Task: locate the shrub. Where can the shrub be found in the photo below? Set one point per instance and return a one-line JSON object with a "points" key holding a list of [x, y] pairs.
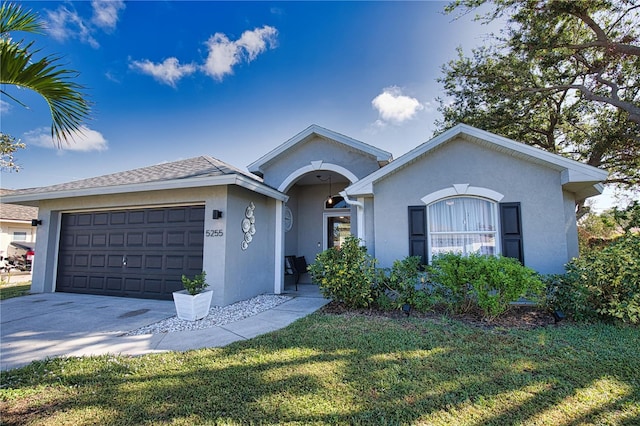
{"points": [[404, 284], [499, 281], [565, 293], [450, 275], [347, 274], [490, 283], [602, 283], [195, 285]]}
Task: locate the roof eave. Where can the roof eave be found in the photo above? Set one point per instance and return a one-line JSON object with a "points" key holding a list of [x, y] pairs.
{"points": [[33, 199], [572, 171], [584, 190]]}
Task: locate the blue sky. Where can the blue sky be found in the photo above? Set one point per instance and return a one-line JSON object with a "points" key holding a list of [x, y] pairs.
{"points": [[174, 79]]}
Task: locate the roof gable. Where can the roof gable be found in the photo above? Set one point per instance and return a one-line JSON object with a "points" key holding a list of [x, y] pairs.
{"points": [[577, 177], [383, 157]]}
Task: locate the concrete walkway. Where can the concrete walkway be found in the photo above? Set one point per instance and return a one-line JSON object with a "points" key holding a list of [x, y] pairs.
{"points": [[41, 326]]}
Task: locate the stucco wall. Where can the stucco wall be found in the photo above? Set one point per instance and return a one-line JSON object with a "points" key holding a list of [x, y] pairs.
{"points": [[318, 149], [249, 272], [291, 236], [544, 220]]}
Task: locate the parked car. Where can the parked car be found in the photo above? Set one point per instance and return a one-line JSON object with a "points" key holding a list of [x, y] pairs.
{"points": [[20, 255]]}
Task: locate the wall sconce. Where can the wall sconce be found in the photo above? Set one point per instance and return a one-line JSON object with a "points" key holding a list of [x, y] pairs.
{"points": [[36, 222], [217, 214]]}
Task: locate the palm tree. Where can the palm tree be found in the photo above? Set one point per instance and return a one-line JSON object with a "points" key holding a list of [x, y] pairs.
{"points": [[44, 76]]}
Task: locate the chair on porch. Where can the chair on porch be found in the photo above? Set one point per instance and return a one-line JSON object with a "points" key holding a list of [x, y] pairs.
{"points": [[294, 266]]}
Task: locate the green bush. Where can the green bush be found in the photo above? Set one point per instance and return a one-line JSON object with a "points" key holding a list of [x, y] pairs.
{"points": [[450, 275], [347, 275], [404, 284], [490, 283], [195, 285], [602, 283], [564, 293]]}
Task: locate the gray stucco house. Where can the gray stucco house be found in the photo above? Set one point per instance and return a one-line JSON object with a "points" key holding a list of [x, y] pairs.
{"points": [[135, 233]]}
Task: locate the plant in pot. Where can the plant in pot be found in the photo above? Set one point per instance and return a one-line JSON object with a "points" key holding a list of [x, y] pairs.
{"points": [[194, 301]]}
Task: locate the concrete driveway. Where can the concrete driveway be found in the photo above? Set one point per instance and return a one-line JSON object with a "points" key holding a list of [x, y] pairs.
{"points": [[39, 326], [53, 324]]}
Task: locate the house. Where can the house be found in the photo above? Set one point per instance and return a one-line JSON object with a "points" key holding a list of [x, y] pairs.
{"points": [[135, 233], [15, 223]]}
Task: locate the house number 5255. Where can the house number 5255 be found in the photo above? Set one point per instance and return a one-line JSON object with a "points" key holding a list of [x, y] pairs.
{"points": [[213, 233]]}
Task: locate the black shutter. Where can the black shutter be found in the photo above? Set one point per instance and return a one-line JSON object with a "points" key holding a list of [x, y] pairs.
{"points": [[511, 231], [418, 232]]}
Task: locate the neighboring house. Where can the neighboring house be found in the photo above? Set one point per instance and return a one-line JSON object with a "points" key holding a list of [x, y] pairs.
{"points": [[15, 222], [135, 233]]}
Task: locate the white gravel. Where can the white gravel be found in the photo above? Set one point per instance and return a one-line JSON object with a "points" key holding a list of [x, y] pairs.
{"points": [[218, 315]]}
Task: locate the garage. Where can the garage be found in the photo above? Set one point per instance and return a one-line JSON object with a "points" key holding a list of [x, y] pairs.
{"points": [[140, 253]]}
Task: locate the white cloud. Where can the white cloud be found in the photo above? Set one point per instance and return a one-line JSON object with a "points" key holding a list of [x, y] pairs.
{"points": [[168, 72], [224, 54], [105, 13], [83, 140], [65, 23], [394, 107]]}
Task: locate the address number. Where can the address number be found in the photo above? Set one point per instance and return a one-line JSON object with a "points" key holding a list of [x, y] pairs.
{"points": [[213, 233]]}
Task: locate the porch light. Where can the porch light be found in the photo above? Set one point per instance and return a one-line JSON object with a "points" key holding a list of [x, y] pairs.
{"points": [[329, 199], [36, 222]]}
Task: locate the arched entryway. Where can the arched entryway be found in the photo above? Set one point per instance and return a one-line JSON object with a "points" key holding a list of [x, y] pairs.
{"points": [[316, 217]]}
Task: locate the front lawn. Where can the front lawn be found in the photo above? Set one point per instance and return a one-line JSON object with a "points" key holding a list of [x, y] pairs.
{"points": [[9, 289], [349, 369]]}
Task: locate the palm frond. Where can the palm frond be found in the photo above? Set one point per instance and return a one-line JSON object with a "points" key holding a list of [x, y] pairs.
{"points": [[14, 18], [46, 77]]}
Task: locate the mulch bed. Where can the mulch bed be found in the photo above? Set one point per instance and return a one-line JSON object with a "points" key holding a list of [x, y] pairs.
{"points": [[518, 317]]}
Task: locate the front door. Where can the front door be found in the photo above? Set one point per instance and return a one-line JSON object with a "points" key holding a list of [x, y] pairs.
{"points": [[337, 228]]}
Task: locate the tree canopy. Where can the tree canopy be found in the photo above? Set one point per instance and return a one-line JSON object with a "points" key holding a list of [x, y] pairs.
{"points": [[561, 75]]}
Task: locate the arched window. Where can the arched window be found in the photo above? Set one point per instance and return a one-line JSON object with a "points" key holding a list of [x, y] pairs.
{"points": [[463, 225], [335, 202]]}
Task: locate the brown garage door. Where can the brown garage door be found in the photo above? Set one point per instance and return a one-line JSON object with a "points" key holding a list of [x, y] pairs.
{"points": [[132, 253]]}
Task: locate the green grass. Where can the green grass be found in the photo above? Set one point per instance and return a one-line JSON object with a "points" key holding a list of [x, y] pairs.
{"points": [[9, 290], [349, 369]]}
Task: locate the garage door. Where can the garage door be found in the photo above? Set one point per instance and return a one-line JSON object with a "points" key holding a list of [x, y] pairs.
{"points": [[132, 253]]}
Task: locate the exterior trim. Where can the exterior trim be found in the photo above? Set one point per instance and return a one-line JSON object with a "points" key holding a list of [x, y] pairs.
{"points": [[460, 190], [315, 165], [198, 182], [381, 155], [574, 173], [278, 276]]}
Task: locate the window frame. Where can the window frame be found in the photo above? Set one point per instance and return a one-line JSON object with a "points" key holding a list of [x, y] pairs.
{"points": [[494, 205], [20, 236]]}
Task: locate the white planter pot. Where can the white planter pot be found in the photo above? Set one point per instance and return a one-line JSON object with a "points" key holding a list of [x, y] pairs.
{"points": [[192, 308]]}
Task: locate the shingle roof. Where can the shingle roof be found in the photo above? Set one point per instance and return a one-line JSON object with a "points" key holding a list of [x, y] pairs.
{"points": [[15, 212], [193, 167]]}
